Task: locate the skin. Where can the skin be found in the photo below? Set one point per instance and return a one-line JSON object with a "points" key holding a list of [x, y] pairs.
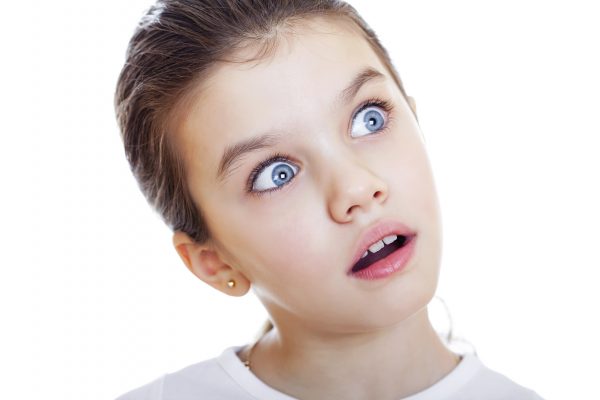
{"points": [[335, 335]]}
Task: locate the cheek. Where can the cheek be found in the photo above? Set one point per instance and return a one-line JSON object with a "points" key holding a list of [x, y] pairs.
{"points": [[292, 248], [274, 240], [416, 178], [414, 196]]}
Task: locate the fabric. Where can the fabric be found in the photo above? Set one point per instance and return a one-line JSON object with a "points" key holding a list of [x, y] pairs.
{"points": [[226, 377]]}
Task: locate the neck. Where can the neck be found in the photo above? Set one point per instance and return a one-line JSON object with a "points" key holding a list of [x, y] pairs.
{"points": [[389, 363]]}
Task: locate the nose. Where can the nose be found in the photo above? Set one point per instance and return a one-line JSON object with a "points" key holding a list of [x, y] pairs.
{"points": [[354, 189]]}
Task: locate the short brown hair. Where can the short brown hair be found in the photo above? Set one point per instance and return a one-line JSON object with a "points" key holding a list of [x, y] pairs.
{"points": [[175, 43]]}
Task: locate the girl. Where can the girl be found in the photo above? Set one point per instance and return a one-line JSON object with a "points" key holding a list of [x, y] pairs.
{"points": [[275, 138]]}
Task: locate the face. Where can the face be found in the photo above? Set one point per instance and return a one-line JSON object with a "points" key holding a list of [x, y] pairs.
{"points": [[288, 214]]}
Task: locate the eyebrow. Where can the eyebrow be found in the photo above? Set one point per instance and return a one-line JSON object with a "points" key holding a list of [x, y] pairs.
{"points": [[232, 153], [363, 77], [236, 151]]}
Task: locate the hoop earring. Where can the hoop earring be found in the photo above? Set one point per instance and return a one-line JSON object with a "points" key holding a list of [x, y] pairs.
{"points": [[231, 284]]}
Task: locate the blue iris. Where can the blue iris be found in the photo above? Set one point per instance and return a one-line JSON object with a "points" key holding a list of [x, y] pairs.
{"points": [[281, 174], [369, 120], [373, 120]]}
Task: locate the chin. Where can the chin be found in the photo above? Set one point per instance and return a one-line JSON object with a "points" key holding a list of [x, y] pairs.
{"points": [[395, 310]]}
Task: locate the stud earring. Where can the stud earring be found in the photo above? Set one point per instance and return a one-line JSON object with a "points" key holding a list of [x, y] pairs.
{"points": [[230, 283]]}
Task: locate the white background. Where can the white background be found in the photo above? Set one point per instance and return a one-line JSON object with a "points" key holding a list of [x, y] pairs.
{"points": [[94, 300]]}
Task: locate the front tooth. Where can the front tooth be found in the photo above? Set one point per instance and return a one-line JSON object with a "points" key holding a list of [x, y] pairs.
{"points": [[376, 247], [390, 239], [366, 253]]}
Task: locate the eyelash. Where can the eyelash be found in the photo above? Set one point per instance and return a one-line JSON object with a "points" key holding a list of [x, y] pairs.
{"points": [[273, 158], [372, 102]]}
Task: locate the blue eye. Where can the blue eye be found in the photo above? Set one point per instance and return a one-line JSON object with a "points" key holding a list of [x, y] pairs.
{"points": [[272, 175], [371, 118]]}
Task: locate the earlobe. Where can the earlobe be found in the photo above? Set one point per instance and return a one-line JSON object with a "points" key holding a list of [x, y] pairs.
{"points": [[205, 262]]}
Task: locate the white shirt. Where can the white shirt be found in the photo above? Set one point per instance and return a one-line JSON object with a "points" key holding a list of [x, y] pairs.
{"points": [[226, 377]]}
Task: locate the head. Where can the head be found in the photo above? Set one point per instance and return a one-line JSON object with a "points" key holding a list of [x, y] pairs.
{"points": [[244, 124]]}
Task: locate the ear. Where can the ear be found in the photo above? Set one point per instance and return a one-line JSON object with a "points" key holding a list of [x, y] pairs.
{"points": [[412, 104], [204, 261]]}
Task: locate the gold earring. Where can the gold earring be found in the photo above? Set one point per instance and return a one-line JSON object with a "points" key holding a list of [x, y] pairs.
{"points": [[230, 283]]}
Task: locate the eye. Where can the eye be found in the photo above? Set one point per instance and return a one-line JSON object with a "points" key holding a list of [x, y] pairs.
{"points": [[372, 117], [272, 174]]}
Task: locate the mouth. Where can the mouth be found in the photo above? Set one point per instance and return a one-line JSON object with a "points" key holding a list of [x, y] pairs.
{"points": [[381, 250]]}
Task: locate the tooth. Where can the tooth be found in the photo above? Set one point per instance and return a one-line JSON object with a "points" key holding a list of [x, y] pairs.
{"points": [[390, 239], [366, 253], [376, 247]]}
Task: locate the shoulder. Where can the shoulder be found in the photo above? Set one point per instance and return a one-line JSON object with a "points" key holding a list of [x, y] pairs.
{"points": [[150, 391], [196, 381], [472, 380], [489, 384]]}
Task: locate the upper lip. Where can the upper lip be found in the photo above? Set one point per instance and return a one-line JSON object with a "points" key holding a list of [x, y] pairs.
{"points": [[376, 233]]}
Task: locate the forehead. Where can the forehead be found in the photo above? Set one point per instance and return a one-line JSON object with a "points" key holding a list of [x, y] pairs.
{"points": [[312, 63]]}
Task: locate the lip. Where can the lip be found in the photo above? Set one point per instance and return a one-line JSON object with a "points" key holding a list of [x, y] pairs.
{"points": [[392, 262]]}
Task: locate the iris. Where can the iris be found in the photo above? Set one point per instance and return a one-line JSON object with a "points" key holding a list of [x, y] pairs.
{"points": [[281, 174], [373, 120]]}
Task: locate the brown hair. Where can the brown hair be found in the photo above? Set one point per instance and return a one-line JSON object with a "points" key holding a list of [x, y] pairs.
{"points": [[175, 43]]}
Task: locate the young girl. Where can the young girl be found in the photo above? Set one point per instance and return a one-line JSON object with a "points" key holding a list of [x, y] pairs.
{"points": [[275, 138]]}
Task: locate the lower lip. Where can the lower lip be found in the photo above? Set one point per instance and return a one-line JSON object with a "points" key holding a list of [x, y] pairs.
{"points": [[387, 266]]}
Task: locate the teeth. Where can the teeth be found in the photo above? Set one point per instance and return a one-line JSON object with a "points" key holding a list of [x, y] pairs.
{"points": [[376, 247], [366, 253], [390, 239]]}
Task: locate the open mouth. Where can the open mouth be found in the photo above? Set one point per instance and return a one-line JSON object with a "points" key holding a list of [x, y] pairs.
{"points": [[380, 250]]}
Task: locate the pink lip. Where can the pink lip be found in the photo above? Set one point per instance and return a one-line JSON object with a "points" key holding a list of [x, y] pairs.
{"points": [[392, 262]]}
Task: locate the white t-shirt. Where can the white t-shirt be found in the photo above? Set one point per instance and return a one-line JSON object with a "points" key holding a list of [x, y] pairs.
{"points": [[226, 377]]}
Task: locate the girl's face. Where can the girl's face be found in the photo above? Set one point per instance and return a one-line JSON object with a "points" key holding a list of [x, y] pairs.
{"points": [[289, 209]]}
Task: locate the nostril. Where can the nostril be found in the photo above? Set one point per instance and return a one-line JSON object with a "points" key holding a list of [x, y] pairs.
{"points": [[350, 210], [378, 195]]}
